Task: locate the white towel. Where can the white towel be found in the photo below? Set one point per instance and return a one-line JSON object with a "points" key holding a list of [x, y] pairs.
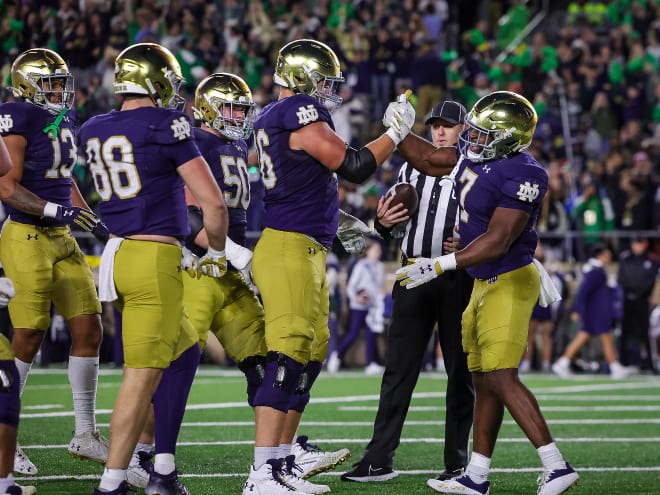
{"points": [[549, 293], [107, 289]]}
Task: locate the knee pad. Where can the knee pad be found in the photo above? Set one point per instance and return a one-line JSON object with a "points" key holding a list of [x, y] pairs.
{"points": [[301, 398], [254, 368], [10, 402], [281, 378]]}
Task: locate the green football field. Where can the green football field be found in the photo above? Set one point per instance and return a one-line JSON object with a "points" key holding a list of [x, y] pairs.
{"points": [[608, 430]]}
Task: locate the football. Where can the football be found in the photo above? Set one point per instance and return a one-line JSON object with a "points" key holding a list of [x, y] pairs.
{"points": [[406, 194]]}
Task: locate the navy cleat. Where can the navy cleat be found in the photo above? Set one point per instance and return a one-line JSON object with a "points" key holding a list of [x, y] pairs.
{"points": [[165, 484], [460, 485], [448, 474], [122, 489], [558, 481]]}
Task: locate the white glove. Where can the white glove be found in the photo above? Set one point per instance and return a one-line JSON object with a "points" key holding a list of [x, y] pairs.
{"points": [[241, 258], [6, 291], [212, 264], [189, 262], [422, 270], [399, 118], [351, 233]]}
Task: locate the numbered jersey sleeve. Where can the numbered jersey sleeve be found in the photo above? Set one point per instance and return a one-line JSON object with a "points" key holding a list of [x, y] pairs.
{"points": [[518, 183], [48, 160], [228, 162], [300, 192], [133, 156]]}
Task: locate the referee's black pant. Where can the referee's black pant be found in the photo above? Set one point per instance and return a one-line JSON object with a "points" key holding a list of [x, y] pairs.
{"points": [[414, 314]]}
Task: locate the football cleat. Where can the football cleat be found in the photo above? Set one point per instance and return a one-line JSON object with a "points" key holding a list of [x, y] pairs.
{"points": [[122, 489], [20, 490], [364, 473], [269, 480], [22, 463], [558, 481], [292, 475], [165, 484], [91, 446], [139, 468], [448, 474], [562, 368], [460, 485], [312, 460]]}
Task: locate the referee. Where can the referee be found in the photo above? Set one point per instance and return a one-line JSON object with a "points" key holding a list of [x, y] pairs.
{"points": [[415, 313]]}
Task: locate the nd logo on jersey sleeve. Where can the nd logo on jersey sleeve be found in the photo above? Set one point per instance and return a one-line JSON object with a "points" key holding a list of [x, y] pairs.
{"points": [[6, 123], [180, 128], [307, 115], [528, 192]]}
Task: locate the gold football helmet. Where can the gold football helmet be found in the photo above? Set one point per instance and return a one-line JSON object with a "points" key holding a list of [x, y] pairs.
{"points": [[41, 77], [224, 102], [500, 124], [310, 67], [149, 69]]}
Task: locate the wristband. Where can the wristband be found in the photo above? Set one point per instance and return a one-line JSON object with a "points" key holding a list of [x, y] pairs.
{"points": [[447, 262], [214, 253], [50, 210], [394, 135]]}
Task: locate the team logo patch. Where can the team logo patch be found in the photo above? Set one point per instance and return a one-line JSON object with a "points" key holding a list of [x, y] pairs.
{"points": [[528, 192], [6, 122], [180, 128], [307, 115]]}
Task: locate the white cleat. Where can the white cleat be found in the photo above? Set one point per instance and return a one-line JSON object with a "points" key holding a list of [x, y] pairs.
{"points": [[22, 463], [312, 460], [269, 480], [558, 481], [562, 367], [89, 446], [292, 473], [136, 474], [620, 372]]}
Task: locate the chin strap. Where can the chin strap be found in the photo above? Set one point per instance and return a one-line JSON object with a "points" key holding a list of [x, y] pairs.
{"points": [[53, 129]]}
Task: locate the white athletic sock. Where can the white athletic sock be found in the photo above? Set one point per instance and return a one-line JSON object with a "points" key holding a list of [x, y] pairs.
{"points": [[478, 468], [262, 454], [285, 450], [164, 463], [111, 479], [551, 457], [23, 370], [83, 377], [6, 483]]}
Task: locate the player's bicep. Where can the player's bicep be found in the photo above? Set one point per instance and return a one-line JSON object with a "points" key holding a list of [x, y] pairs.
{"points": [[321, 142]]}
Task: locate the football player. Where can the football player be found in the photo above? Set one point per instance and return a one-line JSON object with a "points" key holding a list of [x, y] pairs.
{"points": [[141, 156], [299, 153], [38, 252], [500, 189]]}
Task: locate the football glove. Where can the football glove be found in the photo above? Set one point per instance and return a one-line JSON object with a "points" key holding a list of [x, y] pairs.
{"points": [[399, 118], [351, 232], [75, 215], [241, 258], [189, 262], [212, 264], [418, 272], [6, 291]]}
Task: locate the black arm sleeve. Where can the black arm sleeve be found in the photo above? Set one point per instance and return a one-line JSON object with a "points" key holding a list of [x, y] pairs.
{"points": [[196, 224], [385, 232], [358, 165]]}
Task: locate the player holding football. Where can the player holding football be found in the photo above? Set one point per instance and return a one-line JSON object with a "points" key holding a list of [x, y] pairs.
{"points": [[140, 157], [38, 252], [500, 188], [299, 153]]}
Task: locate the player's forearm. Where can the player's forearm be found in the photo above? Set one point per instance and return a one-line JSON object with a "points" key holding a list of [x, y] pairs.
{"points": [[422, 155], [21, 199], [215, 226]]}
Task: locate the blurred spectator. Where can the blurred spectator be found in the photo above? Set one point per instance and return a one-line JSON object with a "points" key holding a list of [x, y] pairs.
{"points": [[593, 214]]}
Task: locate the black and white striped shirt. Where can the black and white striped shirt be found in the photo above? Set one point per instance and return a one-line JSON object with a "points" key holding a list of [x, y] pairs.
{"points": [[434, 221]]}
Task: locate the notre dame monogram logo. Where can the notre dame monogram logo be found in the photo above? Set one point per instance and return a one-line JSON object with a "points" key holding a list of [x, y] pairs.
{"points": [[528, 192], [6, 123], [180, 128], [307, 114]]}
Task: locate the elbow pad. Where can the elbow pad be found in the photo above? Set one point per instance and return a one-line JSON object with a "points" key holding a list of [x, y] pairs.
{"points": [[358, 165]]}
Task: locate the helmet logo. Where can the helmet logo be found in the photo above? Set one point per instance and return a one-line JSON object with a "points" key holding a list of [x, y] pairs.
{"points": [[528, 192], [307, 115]]}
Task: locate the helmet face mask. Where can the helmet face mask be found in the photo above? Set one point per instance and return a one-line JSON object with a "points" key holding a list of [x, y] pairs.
{"points": [[312, 68], [151, 70], [500, 124], [41, 77], [224, 102]]}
